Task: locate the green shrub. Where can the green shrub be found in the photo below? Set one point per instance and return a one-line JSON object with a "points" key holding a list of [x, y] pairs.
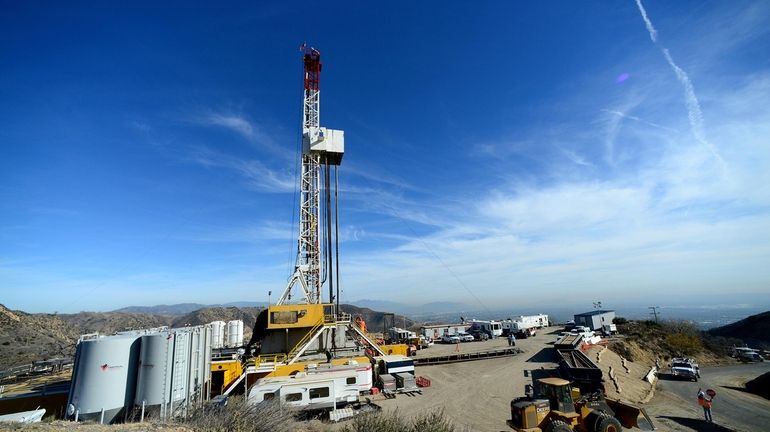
{"points": [[684, 344]]}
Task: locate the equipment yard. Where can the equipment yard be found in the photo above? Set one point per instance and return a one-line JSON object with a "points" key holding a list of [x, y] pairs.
{"points": [[476, 395]]}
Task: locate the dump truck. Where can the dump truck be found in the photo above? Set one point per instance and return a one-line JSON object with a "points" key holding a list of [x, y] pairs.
{"points": [[577, 367], [556, 406]]}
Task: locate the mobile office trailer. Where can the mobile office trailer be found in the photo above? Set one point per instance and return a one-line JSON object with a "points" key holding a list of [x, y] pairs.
{"points": [[308, 391], [436, 331], [492, 328]]}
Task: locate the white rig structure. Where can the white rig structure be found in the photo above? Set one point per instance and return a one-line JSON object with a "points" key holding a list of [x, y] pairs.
{"points": [[321, 148]]}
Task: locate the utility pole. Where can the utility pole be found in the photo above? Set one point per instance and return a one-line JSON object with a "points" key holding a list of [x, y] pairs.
{"points": [[654, 312]]}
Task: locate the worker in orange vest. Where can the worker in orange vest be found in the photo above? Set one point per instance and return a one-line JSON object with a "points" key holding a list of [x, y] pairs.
{"points": [[705, 402]]}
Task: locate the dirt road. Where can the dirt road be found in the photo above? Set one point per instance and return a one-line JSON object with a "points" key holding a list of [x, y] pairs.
{"points": [[676, 407]]}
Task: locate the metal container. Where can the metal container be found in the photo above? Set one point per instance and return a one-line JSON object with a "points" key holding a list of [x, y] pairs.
{"points": [[234, 334], [405, 381], [103, 378], [153, 384], [217, 334], [388, 383]]}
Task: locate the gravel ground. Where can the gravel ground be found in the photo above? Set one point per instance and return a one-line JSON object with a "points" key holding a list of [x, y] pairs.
{"points": [[476, 395]]}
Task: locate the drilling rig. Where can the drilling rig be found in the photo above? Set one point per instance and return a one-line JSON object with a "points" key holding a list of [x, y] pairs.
{"points": [[309, 345], [322, 151]]}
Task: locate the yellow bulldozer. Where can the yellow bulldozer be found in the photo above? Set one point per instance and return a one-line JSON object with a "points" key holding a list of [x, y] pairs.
{"points": [[558, 407]]}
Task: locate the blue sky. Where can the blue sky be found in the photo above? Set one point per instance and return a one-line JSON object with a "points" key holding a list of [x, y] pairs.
{"points": [[500, 154]]}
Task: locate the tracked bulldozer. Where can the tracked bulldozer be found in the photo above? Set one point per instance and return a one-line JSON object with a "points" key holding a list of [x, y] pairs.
{"points": [[558, 407]]}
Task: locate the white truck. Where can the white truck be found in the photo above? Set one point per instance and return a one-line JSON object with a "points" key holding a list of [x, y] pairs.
{"points": [[685, 368], [526, 325]]}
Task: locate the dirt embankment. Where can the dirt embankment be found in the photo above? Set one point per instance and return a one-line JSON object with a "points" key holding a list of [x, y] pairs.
{"points": [[624, 379]]}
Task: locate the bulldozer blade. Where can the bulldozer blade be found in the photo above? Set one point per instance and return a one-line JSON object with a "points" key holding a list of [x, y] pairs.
{"points": [[631, 416]]}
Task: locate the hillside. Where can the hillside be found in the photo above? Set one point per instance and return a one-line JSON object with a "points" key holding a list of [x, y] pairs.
{"points": [[26, 337], [754, 330]]}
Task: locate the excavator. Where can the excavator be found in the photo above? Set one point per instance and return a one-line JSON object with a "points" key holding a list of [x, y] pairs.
{"points": [[558, 407]]}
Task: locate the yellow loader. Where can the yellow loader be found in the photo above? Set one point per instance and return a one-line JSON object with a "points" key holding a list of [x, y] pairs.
{"points": [[557, 407]]}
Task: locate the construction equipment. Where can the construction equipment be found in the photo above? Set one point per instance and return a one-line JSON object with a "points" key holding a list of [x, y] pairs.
{"points": [[557, 407]]}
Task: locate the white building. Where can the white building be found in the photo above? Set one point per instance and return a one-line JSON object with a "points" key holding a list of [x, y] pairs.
{"points": [[595, 319]]}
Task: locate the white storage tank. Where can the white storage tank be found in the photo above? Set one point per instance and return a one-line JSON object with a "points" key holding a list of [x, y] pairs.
{"points": [[217, 334], [234, 334], [103, 378], [153, 383]]}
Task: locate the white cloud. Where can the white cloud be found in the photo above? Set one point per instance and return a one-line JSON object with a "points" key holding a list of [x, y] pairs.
{"points": [[256, 174], [232, 122], [671, 219]]}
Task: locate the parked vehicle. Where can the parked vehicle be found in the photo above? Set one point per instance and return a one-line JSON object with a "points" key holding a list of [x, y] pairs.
{"points": [[309, 391], [479, 335], [746, 354], [685, 368], [450, 339], [493, 329], [465, 337]]}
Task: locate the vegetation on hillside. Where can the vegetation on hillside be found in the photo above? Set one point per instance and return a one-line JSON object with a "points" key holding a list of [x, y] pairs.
{"points": [[668, 339], [754, 330]]}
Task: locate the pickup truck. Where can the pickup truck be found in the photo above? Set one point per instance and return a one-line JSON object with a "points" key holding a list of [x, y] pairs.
{"points": [[685, 368], [450, 339]]}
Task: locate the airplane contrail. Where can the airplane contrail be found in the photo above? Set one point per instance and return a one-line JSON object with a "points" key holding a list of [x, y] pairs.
{"points": [[640, 120], [647, 22], [694, 113]]}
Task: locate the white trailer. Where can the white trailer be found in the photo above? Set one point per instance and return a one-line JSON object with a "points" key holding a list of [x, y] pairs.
{"points": [[533, 321], [526, 325], [310, 391], [435, 332], [493, 328]]}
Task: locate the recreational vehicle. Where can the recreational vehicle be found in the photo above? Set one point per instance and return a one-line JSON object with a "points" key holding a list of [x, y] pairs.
{"points": [[310, 390]]}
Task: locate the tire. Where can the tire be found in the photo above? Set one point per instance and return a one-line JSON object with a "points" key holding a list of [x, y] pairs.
{"points": [[608, 423], [558, 426]]}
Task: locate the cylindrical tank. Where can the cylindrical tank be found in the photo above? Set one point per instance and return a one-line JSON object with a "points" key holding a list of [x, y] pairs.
{"points": [[217, 334], [104, 377], [153, 383], [240, 333], [232, 334]]}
